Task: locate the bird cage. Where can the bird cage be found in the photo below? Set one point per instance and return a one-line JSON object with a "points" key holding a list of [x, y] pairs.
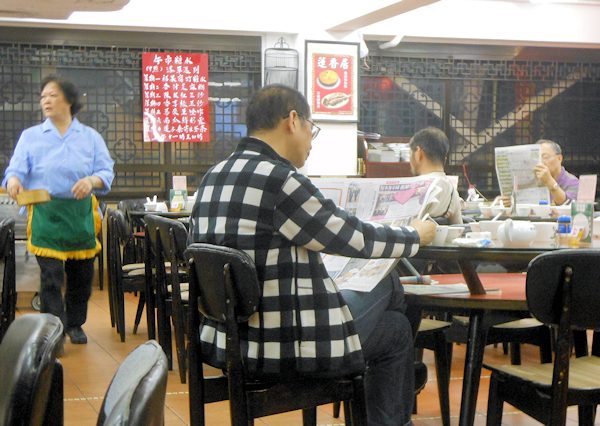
{"points": [[281, 65]]}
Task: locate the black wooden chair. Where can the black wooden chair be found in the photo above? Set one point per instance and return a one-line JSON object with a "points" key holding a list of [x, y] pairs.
{"points": [[225, 288], [167, 240], [562, 291], [136, 395], [31, 376], [8, 290], [123, 277], [100, 254]]}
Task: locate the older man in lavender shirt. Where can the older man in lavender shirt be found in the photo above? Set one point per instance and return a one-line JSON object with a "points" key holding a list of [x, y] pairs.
{"points": [[562, 185]]}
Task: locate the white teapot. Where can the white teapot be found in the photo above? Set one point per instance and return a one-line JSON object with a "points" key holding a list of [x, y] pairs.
{"points": [[516, 233]]}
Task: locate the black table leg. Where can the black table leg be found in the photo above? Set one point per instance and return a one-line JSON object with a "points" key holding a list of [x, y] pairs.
{"points": [[472, 372]]}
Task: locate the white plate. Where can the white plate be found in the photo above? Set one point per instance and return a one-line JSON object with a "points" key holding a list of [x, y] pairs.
{"points": [[330, 87], [331, 96]]}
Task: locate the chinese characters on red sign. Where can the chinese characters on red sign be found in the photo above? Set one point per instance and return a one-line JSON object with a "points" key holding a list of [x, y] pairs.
{"points": [[175, 97], [332, 84]]}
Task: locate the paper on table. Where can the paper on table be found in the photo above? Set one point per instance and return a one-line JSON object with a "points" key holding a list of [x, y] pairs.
{"points": [[436, 288]]}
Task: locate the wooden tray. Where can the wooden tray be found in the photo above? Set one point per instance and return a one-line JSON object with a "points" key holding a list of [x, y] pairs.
{"points": [[33, 196]]}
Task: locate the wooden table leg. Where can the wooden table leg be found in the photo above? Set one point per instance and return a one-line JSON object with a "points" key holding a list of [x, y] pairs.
{"points": [[472, 371], [471, 278]]}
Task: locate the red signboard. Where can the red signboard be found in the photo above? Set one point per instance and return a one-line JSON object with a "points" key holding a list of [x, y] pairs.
{"points": [[332, 84], [175, 97]]}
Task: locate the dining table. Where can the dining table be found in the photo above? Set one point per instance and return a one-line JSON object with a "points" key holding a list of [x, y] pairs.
{"points": [[492, 298]]}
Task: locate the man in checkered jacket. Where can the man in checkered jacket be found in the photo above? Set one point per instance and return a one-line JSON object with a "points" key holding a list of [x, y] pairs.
{"points": [[257, 201]]}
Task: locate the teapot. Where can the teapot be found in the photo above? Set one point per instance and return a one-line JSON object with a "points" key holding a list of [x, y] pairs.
{"points": [[516, 233]]}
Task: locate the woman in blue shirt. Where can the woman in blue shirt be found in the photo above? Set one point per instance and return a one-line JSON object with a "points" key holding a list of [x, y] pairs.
{"points": [[71, 161]]}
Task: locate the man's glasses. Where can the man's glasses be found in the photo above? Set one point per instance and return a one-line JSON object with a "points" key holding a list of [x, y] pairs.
{"points": [[314, 129]]}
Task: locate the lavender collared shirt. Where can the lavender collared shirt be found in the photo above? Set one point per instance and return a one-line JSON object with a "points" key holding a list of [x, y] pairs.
{"points": [[568, 183]]}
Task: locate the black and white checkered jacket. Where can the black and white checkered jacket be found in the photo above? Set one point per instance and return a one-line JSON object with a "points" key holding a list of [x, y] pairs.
{"points": [[258, 202]]}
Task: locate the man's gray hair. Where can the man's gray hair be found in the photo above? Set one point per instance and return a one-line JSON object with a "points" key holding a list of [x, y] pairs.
{"points": [[555, 147]]}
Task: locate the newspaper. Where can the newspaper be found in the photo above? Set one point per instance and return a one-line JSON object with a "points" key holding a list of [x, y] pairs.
{"points": [[514, 169], [392, 201]]}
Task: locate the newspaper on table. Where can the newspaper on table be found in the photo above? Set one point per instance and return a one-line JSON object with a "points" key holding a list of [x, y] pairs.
{"points": [[392, 201], [514, 169]]}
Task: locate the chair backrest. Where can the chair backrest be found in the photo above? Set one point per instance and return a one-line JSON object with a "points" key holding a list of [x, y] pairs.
{"points": [[562, 290], [171, 233], [546, 288], [8, 289], [120, 230], [27, 366], [136, 395], [212, 265]]}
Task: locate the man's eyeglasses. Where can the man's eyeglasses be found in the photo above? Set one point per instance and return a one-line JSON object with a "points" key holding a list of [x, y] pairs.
{"points": [[314, 129]]}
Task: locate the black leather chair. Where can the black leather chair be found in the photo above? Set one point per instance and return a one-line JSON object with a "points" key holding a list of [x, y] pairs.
{"points": [[167, 239], [8, 290], [562, 291], [136, 395], [31, 390], [123, 277], [225, 288]]}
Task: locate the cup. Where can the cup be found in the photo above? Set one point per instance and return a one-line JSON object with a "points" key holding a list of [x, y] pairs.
{"points": [[150, 207], [441, 232]]}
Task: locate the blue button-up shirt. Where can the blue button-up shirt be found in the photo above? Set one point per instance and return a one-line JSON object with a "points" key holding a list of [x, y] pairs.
{"points": [[43, 159]]}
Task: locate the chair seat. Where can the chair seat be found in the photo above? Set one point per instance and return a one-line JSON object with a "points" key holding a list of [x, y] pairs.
{"points": [[142, 272], [584, 373], [515, 324], [429, 324], [133, 266], [520, 324], [182, 286]]}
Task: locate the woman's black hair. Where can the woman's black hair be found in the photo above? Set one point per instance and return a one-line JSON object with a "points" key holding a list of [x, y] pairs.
{"points": [[68, 88]]}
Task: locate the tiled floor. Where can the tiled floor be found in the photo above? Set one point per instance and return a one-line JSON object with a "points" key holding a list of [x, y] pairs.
{"points": [[89, 368]]}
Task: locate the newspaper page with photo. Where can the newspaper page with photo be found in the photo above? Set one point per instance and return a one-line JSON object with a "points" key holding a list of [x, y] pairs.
{"points": [[392, 201], [514, 169]]}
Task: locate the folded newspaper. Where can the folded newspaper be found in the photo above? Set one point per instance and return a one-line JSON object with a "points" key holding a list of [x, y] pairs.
{"points": [[392, 201]]}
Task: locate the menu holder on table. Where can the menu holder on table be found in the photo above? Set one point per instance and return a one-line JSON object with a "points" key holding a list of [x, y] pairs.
{"points": [[33, 196]]}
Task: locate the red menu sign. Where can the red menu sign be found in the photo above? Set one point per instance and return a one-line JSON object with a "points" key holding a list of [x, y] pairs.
{"points": [[175, 97], [332, 84]]}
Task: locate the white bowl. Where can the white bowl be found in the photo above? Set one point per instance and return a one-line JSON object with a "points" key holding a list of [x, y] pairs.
{"points": [[541, 210], [504, 211], [454, 232], [490, 226], [486, 211], [545, 231], [523, 210], [561, 210]]}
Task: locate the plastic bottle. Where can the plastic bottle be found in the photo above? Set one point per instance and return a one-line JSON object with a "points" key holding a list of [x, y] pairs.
{"points": [[563, 230]]}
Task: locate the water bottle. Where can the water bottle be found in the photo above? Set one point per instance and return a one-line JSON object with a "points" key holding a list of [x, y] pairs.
{"points": [[563, 230]]}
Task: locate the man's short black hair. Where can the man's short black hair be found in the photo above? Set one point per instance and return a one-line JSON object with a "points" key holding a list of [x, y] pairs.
{"points": [[272, 103], [68, 88], [433, 142]]}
